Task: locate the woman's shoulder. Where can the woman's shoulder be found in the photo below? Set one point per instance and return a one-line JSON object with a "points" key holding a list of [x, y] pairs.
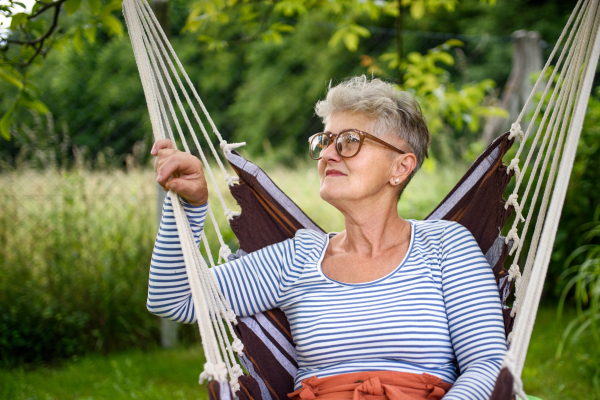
{"points": [[438, 226], [309, 243]]}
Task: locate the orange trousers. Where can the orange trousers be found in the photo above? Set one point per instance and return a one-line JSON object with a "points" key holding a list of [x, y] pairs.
{"points": [[375, 385]]}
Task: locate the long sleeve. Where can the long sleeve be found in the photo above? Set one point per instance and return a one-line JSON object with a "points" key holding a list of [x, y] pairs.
{"points": [[251, 284], [474, 315], [169, 293]]}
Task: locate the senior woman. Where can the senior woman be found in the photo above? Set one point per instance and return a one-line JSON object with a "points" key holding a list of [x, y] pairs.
{"points": [[386, 309]]}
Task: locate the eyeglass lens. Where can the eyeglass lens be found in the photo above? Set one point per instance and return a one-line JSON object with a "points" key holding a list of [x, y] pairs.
{"points": [[347, 144]]}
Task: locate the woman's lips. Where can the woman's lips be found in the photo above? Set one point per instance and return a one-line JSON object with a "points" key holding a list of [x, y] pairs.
{"points": [[334, 172]]}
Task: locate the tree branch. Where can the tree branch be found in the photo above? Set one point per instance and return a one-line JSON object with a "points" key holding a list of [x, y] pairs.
{"points": [[45, 7], [45, 36]]}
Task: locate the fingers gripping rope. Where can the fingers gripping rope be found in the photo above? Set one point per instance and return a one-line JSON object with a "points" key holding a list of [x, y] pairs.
{"points": [[512, 201], [515, 130]]}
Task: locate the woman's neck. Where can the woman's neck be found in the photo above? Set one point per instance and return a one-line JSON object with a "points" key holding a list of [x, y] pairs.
{"points": [[372, 228]]}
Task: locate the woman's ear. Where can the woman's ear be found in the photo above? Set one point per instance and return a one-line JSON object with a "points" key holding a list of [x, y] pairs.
{"points": [[402, 167]]}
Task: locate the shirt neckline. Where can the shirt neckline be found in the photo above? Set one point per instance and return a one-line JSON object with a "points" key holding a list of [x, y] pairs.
{"points": [[383, 278]]}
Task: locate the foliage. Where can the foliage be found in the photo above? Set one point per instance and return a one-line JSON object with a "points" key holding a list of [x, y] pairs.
{"points": [[33, 33], [582, 195], [582, 268], [73, 264], [236, 21], [452, 110]]}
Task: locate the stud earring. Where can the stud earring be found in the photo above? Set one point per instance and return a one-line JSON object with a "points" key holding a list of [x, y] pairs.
{"points": [[397, 181]]}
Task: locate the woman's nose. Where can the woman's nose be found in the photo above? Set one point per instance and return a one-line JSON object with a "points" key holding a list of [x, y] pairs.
{"points": [[330, 154]]}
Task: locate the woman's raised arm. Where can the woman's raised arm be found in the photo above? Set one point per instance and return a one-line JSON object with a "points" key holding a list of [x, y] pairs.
{"points": [[251, 284]]}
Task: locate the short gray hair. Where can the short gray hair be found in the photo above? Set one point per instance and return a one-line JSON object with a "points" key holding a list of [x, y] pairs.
{"points": [[393, 111]]}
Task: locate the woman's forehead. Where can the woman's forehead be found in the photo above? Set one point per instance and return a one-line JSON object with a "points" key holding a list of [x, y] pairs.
{"points": [[345, 120]]}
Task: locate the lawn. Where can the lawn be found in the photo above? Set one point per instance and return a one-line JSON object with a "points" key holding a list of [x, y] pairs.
{"points": [[173, 374]]}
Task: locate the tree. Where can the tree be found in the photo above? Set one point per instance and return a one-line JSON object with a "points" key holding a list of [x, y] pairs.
{"points": [[33, 33]]}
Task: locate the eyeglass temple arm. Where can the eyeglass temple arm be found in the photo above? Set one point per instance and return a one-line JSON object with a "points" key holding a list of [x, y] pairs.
{"points": [[383, 143]]}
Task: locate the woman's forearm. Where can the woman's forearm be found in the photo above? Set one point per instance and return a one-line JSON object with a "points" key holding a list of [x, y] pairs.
{"points": [[169, 293], [477, 382]]}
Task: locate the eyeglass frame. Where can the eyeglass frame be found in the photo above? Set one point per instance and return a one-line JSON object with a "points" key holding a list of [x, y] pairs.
{"points": [[361, 134]]}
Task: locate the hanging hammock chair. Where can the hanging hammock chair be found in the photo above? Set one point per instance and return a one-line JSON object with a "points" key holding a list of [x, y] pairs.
{"points": [[263, 342]]}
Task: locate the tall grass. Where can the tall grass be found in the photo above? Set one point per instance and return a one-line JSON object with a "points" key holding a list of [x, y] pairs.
{"points": [[75, 248], [74, 251]]}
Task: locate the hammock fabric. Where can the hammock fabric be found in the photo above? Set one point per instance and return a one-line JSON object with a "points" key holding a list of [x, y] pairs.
{"points": [[269, 216]]}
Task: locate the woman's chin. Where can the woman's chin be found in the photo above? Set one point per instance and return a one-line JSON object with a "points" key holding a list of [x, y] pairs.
{"points": [[332, 194]]}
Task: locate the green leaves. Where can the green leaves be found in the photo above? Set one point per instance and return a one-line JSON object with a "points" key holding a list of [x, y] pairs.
{"points": [[78, 41], [350, 34], [25, 98], [71, 6], [95, 6], [89, 32], [5, 123], [290, 8], [275, 31], [17, 19], [112, 24], [13, 80]]}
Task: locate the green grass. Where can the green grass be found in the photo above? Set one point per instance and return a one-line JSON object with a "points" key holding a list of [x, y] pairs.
{"points": [[136, 374], [571, 377], [173, 374]]}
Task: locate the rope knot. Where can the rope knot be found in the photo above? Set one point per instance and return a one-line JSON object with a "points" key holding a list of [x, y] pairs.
{"points": [[227, 147], [229, 315], [231, 179], [224, 252], [237, 346], [512, 201], [230, 214], [236, 371], [220, 372], [515, 130], [512, 235], [514, 165], [514, 272], [208, 373]]}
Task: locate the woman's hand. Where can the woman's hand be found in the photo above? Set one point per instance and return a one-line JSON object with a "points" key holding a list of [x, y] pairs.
{"points": [[180, 172]]}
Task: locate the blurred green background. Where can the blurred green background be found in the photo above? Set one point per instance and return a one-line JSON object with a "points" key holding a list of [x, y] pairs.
{"points": [[78, 201]]}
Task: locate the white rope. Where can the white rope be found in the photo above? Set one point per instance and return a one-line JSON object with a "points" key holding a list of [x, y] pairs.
{"points": [[566, 120], [210, 306], [193, 89], [522, 281], [538, 82]]}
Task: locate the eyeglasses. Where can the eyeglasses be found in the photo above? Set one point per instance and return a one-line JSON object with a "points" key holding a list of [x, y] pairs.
{"points": [[347, 143]]}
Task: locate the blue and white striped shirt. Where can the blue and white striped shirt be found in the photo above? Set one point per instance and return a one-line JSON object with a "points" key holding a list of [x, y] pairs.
{"points": [[438, 312]]}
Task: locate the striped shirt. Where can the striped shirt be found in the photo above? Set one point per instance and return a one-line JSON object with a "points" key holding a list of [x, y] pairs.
{"points": [[438, 312]]}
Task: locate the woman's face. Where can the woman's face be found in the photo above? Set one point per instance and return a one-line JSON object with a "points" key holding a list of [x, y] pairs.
{"points": [[366, 175]]}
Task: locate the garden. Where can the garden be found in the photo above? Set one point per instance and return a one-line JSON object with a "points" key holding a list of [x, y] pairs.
{"points": [[79, 205]]}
